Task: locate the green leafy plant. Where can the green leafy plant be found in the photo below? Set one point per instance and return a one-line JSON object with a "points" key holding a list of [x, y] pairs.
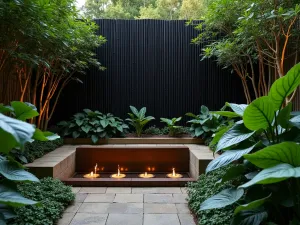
{"points": [[53, 196], [171, 125], [138, 119], [94, 125], [14, 134], [206, 186], [266, 144], [35, 149], [204, 124], [153, 130]]}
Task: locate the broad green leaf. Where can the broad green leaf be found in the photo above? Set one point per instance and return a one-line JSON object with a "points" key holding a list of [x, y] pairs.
{"points": [[39, 135], [217, 136], [286, 152], [233, 173], [134, 111], [23, 111], [87, 111], [284, 116], [222, 199], [51, 136], [204, 110], [235, 135], [237, 108], [250, 217], [252, 205], [226, 114], [191, 115], [75, 134], [86, 128], [120, 128], [167, 121], [13, 133], [142, 113], [295, 122], [285, 86], [94, 139], [14, 199], [227, 157], [199, 131], [13, 172], [292, 135], [274, 174], [79, 122], [5, 109], [149, 118], [259, 114], [104, 123]]}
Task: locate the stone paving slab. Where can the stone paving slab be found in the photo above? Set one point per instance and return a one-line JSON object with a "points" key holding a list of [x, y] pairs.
{"points": [[100, 198], [161, 219], [142, 206]]}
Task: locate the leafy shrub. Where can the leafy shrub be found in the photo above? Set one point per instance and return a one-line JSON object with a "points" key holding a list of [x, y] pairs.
{"points": [[205, 187], [14, 134], [138, 119], [53, 196], [266, 138], [36, 150], [94, 125], [153, 130], [171, 125], [205, 124]]}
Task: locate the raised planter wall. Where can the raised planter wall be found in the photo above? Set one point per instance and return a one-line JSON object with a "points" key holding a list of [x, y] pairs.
{"points": [[156, 140]]}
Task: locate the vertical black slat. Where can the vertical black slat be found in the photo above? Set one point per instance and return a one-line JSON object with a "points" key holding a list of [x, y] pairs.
{"points": [[150, 63]]}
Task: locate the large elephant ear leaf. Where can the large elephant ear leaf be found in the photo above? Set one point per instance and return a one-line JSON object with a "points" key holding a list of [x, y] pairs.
{"points": [[285, 86], [259, 114], [224, 198], [251, 205], [273, 175], [13, 133], [250, 217], [237, 108], [234, 135], [24, 111], [227, 157], [286, 152]]}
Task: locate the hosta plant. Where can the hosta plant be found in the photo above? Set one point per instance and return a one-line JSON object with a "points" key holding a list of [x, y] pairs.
{"points": [[171, 123], [94, 125], [138, 119], [204, 124], [265, 144]]}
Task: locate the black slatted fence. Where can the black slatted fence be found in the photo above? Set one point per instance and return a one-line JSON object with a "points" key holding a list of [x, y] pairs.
{"points": [[150, 63]]}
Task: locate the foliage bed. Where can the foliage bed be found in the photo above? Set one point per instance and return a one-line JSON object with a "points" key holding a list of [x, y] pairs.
{"points": [[53, 196], [205, 187], [37, 149]]}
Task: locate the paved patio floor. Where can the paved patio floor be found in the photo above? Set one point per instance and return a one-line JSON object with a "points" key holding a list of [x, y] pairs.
{"points": [[128, 206]]}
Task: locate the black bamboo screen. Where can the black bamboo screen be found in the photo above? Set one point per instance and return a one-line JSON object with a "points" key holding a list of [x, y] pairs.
{"points": [[150, 63]]}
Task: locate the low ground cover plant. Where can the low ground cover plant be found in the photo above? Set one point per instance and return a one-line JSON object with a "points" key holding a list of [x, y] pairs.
{"points": [[138, 119], [206, 186], [94, 125], [265, 143], [36, 149], [53, 196]]}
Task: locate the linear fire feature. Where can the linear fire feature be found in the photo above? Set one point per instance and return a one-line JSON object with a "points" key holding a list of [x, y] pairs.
{"points": [[134, 163]]}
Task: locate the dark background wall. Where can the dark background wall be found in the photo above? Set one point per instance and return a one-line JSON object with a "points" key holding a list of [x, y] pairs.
{"points": [[150, 63]]}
